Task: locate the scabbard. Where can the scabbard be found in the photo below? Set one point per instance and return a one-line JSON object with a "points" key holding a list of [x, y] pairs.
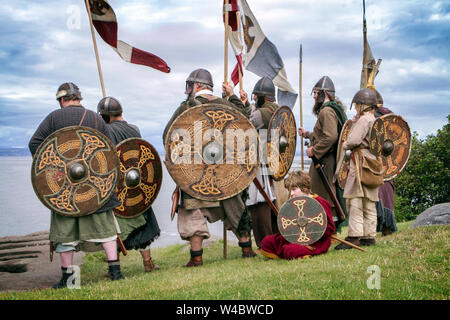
{"points": [[327, 185], [121, 245]]}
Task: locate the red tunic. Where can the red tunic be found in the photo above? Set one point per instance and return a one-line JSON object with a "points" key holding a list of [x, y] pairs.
{"points": [[275, 246]]}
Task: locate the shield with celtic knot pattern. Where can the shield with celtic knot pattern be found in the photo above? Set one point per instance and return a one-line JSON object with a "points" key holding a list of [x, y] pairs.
{"points": [[141, 177], [302, 220], [75, 171], [344, 165], [211, 152], [390, 138], [281, 143]]}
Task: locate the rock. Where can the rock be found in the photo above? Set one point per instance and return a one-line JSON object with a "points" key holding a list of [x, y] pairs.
{"points": [[25, 263], [436, 215]]}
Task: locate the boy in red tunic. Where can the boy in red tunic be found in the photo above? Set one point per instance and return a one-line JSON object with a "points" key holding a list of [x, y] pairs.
{"points": [[276, 247]]}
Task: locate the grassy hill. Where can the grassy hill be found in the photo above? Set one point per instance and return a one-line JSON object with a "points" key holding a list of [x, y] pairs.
{"points": [[413, 264]]}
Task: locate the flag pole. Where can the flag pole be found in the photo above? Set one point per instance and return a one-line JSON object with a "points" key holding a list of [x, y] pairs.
{"points": [[99, 67], [239, 65], [300, 100], [365, 45], [225, 77]]}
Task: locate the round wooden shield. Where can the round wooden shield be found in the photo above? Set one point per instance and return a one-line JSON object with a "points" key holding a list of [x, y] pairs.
{"points": [[390, 138], [141, 177], [281, 142], [345, 163], [75, 171], [211, 152], [302, 220]]}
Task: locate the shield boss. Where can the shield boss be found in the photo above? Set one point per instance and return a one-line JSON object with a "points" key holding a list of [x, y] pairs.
{"points": [[211, 152], [281, 142], [75, 171], [302, 220], [141, 177]]}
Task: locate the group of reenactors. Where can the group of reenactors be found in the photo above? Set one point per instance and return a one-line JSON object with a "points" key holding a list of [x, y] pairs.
{"points": [[247, 210]]}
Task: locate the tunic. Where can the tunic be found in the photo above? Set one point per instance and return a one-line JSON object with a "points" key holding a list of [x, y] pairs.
{"points": [[140, 231], [359, 138], [99, 225], [324, 140], [275, 246]]}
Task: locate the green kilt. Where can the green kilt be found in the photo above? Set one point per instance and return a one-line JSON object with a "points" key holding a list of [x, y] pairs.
{"points": [[128, 225], [98, 225]]}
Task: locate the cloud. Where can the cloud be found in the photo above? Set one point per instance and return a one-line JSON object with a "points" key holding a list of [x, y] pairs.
{"points": [[39, 51]]}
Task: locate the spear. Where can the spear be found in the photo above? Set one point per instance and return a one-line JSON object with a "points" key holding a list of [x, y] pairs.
{"points": [[225, 77], [365, 44]]}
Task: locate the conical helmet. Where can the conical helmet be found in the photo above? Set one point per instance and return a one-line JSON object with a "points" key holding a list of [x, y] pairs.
{"points": [[201, 76], [325, 84], [264, 87], [366, 97], [109, 106], [68, 89]]}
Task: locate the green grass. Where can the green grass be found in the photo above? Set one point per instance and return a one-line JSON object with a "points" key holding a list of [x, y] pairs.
{"points": [[414, 264]]}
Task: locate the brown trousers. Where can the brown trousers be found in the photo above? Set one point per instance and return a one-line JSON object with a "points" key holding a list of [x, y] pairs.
{"points": [[264, 221]]}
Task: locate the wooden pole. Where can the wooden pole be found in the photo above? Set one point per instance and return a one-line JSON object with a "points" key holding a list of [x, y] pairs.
{"points": [[347, 243], [365, 45], [225, 71], [301, 106], [241, 85], [225, 77], [95, 48]]}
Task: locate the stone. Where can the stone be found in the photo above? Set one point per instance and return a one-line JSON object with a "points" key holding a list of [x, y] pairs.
{"points": [[435, 215]]}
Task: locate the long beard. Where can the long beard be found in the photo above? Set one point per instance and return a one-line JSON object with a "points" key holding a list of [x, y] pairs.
{"points": [[259, 102], [319, 102]]}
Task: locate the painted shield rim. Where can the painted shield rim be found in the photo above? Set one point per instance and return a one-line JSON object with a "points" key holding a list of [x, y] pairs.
{"points": [[53, 136], [289, 204], [294, 134], [166, 146], [122, 176]]}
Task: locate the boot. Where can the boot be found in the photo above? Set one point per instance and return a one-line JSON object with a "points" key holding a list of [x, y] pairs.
{"points": [[149, 266], [354, 240], [386, 231], [114, 271], [63, 281], [247, 251], [367, 242], [196, 259]]}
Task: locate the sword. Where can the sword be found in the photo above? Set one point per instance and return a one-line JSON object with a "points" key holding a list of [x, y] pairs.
{"points": [[327, 185]]}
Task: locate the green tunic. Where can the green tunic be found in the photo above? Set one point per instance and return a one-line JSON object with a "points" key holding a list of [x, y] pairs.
{"points": [[98, 225]]}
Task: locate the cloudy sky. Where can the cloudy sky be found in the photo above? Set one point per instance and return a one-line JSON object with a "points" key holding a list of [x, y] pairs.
{"points": [[47, 43]]}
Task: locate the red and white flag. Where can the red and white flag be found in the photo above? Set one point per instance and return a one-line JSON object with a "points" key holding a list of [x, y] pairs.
{"points": [[105, 22], [235, 36]]}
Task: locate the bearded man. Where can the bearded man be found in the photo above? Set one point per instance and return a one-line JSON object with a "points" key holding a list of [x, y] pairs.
{"points": [[324, 138]]}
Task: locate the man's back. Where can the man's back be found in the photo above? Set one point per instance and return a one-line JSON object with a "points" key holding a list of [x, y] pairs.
{"points": [[121, 130], [66, 117]]}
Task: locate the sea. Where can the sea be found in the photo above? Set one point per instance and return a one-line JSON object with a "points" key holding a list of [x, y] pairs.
{"points": [[22, 213]]}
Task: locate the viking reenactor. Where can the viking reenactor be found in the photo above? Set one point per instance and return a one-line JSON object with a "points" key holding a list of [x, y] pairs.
{"points": [[324, 138], [140, 231], [385, 207], [365, 174], [276, 246], [66, 232], [191, 223], [263, 219]]}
